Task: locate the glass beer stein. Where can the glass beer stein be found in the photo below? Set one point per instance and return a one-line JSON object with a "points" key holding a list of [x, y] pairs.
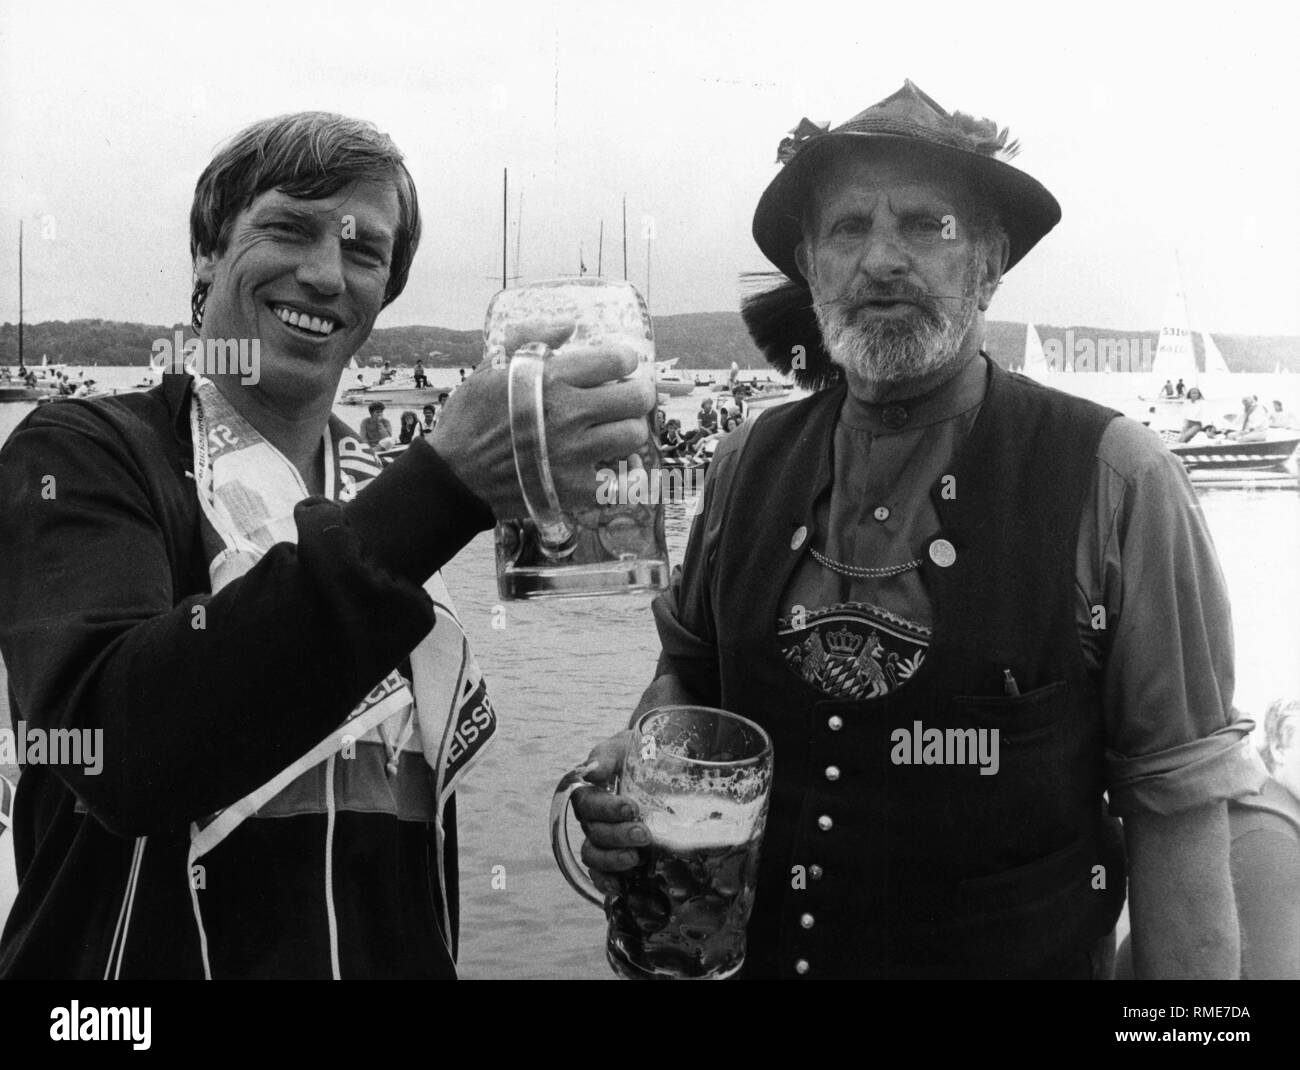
{"points": [[615, 543], [702, 779]]}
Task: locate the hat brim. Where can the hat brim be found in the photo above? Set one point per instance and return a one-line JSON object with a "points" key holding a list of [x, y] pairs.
{"points": [[1025, 208]]}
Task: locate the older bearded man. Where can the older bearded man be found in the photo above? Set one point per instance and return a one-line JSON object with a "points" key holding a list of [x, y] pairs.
{"points": [[929, 546]]}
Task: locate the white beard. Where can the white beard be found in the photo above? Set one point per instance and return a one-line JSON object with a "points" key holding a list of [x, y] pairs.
{"points": [[896, 350]]}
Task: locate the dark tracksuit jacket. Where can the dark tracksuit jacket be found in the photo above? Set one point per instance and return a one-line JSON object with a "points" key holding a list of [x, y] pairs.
{"points": [[98, 582]]}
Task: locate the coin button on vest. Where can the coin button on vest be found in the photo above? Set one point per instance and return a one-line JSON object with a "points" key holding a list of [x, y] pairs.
{"points": [[815, 872], [796, 540], [802, 966], [825, 823], [943, 553], [807, 920], [835, 722], [832, 772]]}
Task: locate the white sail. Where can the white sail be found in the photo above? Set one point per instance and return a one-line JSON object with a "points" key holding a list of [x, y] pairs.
{"points": [[1214, 362], [1175, 358], [1035, 361]]}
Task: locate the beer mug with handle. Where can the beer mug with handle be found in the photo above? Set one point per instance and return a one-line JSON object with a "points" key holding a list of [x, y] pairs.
{"points": [[613, 543], [702, 779]]}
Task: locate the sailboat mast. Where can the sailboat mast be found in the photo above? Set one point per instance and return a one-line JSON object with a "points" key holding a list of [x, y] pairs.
{"points": [[519, 232], [505, 224], [600, 251], [1187, 319], [625, 237], [20, 294]]}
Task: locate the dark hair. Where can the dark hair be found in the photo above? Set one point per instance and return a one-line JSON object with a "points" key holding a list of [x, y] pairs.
{"points": [[414, 419], [1280, 722], [376, 406], [307, 154]]}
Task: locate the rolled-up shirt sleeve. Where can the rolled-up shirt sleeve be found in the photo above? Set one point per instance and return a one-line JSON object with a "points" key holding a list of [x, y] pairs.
{"points": [[684, 613], [1173, 739]]}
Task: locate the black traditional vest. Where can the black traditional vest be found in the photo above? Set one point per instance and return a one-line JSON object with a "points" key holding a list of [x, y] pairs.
{"points": [[875, 868]]}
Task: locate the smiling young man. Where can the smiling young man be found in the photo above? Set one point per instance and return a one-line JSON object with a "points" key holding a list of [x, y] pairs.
{"points": [[217, 575], [928, 545]]}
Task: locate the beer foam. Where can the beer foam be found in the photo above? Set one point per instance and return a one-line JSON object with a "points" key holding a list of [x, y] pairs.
{"points": [[692, 822]]}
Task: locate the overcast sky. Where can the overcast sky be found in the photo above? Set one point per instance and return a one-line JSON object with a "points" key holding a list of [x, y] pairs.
{"points": [[1156, 131]]}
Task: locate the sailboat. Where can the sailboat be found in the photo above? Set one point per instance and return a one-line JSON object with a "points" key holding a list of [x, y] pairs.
{"points": [[670, 381], [1035, 366], [1214, 362], [17, 389], [1175, 358]]}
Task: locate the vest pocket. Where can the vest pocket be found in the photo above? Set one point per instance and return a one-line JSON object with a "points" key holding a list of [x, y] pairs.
{"points": [[1018, 718]]}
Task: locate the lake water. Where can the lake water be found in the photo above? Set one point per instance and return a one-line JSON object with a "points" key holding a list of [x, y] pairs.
{"points": [[565, 675]]}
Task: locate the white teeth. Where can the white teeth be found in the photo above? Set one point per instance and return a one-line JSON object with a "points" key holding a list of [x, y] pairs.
{"points": [[303, 322]]}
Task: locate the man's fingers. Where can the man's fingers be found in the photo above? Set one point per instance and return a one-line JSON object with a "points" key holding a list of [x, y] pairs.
{"points": [[618, 836], [591, 363], [593, 804], [605, 884], [553, 332], [606, 442], [608, 758], [597, 860]]}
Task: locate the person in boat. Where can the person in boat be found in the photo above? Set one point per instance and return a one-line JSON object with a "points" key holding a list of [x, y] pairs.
{"points": [[410, 428], [376, 430], [249, 609], [671, 441], [1254, 421], [724, 420], [421, 380], [1280, 417], [430, 419], [706, 419], [1167, 391], [931, 548], [1180, 388], [1194, 421]]}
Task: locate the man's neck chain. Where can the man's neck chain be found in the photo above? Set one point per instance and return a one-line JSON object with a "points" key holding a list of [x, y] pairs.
{"points": [[857, 572]]}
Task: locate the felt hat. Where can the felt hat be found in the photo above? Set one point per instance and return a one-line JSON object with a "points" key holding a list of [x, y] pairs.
{"points": [[958, 143], [781, 320]]}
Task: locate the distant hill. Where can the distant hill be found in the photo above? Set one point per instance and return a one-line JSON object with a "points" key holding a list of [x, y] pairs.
{"points": [[694, 339]]}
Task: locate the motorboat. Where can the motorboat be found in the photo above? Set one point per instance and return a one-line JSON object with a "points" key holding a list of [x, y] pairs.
{"points": [[671, 382], [1270, 451], [395, 394], [17, 390]]}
